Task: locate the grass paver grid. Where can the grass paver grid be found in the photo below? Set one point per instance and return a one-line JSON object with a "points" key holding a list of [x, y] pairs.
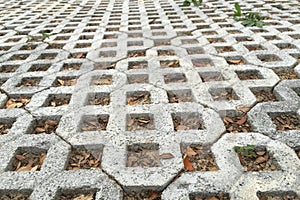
{"points": [[149, 99]]}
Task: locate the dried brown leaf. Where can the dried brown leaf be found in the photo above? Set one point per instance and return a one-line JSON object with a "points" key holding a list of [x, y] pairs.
{"points": [[242, 120], [166, 156], [187, 164]]}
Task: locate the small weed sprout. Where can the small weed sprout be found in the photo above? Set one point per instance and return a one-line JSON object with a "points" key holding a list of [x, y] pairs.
{"points": [[31, 38], [246, 150], [194, 2], [249, 19]]}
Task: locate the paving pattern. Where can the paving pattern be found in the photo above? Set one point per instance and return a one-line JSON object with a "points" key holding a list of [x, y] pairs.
{"points": [[110, 99]]}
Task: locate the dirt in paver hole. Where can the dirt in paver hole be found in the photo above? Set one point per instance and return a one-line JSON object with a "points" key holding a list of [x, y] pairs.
{"points": [[95, 123], [27, 82], [235, 61], [174, 78], [59, 101], [286, 74], [166, 53], [4, 127], [199, 158], [137, 78], [254, 158], [45, 126], [104, 66], [147, 195], [71, 66], [81, 158], [19, 102], [65, 81], [248, 75], [76, 196], [103, 80], [99, 99], [237, 124], [138, 98], [297, 150], [28, 161], [187, 121], [180, 96], [143, 155], [277, 196], [223, 95], [136, 53], [15, 196], [169, 64], [264, 96], [287, 121], [139, 122], [220, 196]]}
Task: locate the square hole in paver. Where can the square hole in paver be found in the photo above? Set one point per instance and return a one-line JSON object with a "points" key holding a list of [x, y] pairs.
{"points": [[15, 195], [187, 121], [285, 46], [166, 52], [143, 155], [104, 54], [202, 63], [244, 38], [135, 43], [55, 100], [237, 124], [138, 97], [83, 45], [8, 68], [39, 67], [178, 96], [46, 125], [30, 82], [268, 58], [47, 56], [255, 158], [254, 47], [137, 78], [108, 44], [71, 66], [198, 158], [28, 47], [285, 121], [28, 159], [85, 157], [136, 53], [215, 40], [104, 65], [223, 94], [17, 101], [174, 78], [6, 124], [224, 49], [56, 46], [264, 95], [76, 195], [195, 50], [277, 195], [209, 196], [102, 80], [19, 57], [78, 55], [149, 195], [94, 123], [143, 121], [236, 60], [102, 99], [138, 65], [285, 74], [65, 81], [249, 74], [170, 64], [211, 76]]}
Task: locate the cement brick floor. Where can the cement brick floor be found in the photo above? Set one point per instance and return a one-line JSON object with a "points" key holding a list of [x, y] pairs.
{"points": [[103, 98]]}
